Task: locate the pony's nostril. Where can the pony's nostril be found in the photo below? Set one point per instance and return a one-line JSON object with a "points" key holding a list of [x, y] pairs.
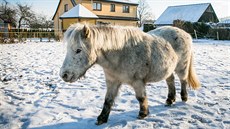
{"points": [[65, 76]]}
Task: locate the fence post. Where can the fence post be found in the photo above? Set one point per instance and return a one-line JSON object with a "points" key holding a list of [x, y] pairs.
{"points": [[26, 35], [49, 36], [217, 35], [195, 34], [31, 34], [40, 34]]}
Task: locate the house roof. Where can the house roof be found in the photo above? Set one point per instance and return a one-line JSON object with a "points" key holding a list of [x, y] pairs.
{"points": [[225, 21], [190, 13], [72, 1], [79, 11]]}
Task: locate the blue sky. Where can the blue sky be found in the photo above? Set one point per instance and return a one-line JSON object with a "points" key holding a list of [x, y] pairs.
{"points": [[44, 7], [48, 7]]}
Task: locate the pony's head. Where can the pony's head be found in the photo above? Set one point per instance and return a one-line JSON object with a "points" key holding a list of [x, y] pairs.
{"points": [[80, 56]]}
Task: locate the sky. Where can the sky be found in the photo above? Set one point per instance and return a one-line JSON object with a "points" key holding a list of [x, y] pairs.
{"points": [[48, 7]]}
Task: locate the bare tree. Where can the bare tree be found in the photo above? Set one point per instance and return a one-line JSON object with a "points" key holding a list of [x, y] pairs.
{"points": [[25, 14], [41, 22], [36, 23], [144, 12], [49, 24], [7, 13]]}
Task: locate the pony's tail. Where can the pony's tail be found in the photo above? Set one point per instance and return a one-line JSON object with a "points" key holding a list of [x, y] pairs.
{"points": [[193, 80]]}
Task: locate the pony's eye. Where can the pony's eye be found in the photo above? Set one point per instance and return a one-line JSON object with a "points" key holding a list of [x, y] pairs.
{"points": [[78, 51]]}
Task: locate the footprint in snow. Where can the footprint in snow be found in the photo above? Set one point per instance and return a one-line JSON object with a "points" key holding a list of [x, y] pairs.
{"points": [[201, 119]]}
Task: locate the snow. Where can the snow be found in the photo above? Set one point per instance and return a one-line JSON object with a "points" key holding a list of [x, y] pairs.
{"points": [[32, 95], [226, 21], [182, 12], [79, 11]]}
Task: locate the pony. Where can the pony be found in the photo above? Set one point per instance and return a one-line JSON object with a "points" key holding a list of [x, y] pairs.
{"points": [[127, 56]]}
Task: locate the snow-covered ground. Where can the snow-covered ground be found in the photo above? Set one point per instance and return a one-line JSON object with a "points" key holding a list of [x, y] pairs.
{"points": [[32, 95]]}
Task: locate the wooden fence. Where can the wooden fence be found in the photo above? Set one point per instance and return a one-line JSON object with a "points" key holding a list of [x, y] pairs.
{"points": [[14, 36]]}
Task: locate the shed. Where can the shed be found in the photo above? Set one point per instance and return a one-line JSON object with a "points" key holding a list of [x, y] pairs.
{"points": [[202, 12]]}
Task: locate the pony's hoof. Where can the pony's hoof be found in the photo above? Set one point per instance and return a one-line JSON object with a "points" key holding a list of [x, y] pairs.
{"points": [[100, 122], [184, 98], [170, 101], [142, 115]]}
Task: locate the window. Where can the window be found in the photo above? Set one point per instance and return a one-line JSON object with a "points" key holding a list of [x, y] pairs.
{"points": [[66, 7], [125, 9], [97, 6], [112, 8]]}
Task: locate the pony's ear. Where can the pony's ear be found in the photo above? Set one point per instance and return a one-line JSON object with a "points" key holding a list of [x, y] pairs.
{"points": [[86, 31]]}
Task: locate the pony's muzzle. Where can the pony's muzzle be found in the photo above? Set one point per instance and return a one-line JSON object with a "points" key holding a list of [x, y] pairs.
{"points": [[66, 76]]}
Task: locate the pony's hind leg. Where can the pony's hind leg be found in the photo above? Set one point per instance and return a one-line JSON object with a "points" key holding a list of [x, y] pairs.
{"points": [[112, 90], [184, 94], [139, 87], [171, 90], [182, 73]]}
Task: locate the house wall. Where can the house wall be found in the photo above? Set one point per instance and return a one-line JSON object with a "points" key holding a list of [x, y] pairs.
{"points": [[63, 24], [106, 8], [209, 16], [60, 11], [68, 22], [118, 22]]}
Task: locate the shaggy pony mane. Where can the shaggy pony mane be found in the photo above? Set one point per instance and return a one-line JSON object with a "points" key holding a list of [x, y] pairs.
{"points": [[105, 37]]}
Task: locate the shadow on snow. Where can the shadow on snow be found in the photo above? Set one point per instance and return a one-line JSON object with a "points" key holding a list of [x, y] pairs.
{"points": [[115, 120]]}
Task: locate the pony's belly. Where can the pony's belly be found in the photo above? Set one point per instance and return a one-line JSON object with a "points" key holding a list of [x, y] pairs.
{"points": [[157, 79], [157, 75], [121, 76]]}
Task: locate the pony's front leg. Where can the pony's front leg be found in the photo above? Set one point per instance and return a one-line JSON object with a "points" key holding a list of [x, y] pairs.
{"points": [[139, 87], [112, 90]]}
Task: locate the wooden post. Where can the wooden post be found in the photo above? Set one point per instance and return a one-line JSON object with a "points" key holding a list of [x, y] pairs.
{"points": [[217, 35], [40, 35], [195, 34], [49, 35]]}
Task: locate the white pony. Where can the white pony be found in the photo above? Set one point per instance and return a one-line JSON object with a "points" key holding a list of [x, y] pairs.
{"points": [[128, 56]]}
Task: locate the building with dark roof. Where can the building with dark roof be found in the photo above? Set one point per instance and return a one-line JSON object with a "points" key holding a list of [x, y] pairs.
{"points": [[203, 12]]}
